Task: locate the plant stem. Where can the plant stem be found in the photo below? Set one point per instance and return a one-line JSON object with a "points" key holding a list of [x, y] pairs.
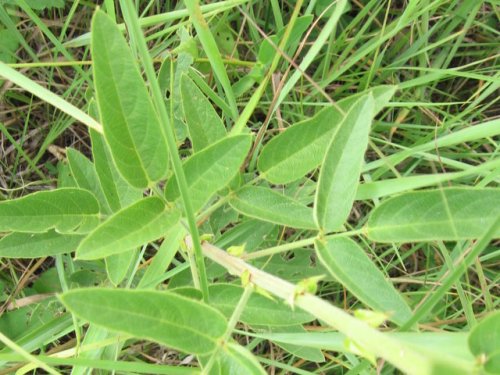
{"points": [[233, 320], [133, 24], [295, 245], [406, 358], [24, 354]]}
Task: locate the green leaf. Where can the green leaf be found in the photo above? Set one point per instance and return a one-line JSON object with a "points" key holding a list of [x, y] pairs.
{"points": [[131, 126], [135, 225], [8, 47], [167, 318], [38, 4], [266, 204], [204, 124], [339, 177], [484, 342], [117, 265], [118, 192], [85, 175], [446, 214], [301, 148], [66, 210], [37, 245], [350, 265], [259, 310], [211, 169], [163, 257], [235, 359]]}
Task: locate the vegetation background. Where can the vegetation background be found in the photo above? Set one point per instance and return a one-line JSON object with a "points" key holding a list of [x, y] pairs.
{"points": [[443, 56]]}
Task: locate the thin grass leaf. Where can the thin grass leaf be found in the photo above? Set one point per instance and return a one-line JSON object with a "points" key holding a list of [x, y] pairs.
{"points": [[210, 47], [48, 96]]}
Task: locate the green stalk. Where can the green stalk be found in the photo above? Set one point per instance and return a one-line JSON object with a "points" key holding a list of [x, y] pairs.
{"points": [[210, 47], [259, 92], [135, 29], [27, 356], [295, 245], [233, 320], [48, 96], [406, 358]]}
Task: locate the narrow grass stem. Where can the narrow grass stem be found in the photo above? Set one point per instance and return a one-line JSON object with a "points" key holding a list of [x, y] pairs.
{"points": [[233, 320], [29, 85], [460, 267], [210, 47], [259, 92], [133, 24], [23, 353]]}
